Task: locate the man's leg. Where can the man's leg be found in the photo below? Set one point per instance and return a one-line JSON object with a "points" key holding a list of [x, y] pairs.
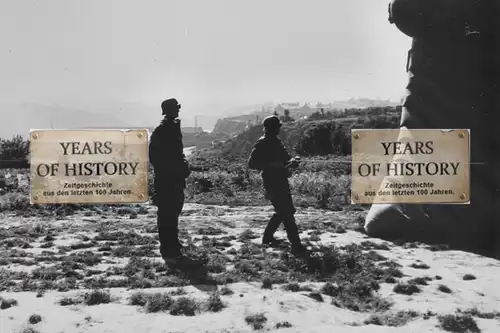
{"points": [[271, 228], [169, 208], [283, 204], [168, 227], [292, 232], [168, 231], [275, 221]]}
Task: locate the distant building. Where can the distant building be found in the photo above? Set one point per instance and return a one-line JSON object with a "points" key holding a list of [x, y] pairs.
{"points": [[324, 106], [296, 110], [280, 108]]}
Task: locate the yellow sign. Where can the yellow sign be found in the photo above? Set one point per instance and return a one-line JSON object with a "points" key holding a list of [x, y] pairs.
{"points": [[410, 166], [89, 166]]}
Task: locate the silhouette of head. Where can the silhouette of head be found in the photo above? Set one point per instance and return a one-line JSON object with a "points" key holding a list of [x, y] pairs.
{"points": [[272, 125], [170, 108]]}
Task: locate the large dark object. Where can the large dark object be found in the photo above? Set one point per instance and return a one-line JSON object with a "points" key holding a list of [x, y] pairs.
{"points": [[445, 19], [454, 82]]}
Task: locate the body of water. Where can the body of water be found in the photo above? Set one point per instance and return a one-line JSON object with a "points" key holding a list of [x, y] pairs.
{"points": [[189, 150]]}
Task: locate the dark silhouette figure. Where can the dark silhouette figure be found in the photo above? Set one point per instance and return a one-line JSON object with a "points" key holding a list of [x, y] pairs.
{"points": [[170, 172], [270, 156]]}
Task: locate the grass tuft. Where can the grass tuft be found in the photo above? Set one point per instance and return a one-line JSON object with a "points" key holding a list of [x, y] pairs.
{"points": [[458, 323], [468, 277], [184, 306], [283, 324], [96, 297], [444, 289], [406, 289], [398, 319], [158, 302], [65, 301], [7, 303], [420, 266], [225, 291], [34, 319], [256, 321], [215, 303]]}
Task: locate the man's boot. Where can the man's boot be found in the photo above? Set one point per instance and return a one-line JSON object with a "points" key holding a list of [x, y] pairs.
{"points": [[175, 257], [299, 250], [184, 261], [292, 232], [173, 254]]}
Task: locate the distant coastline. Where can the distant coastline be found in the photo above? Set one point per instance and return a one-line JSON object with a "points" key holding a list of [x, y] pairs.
{"points": [[189, 150]]}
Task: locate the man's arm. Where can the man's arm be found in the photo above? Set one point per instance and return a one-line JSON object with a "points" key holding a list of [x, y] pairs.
{"points": [[155, 149], [290, 162], [257, 161], [283, 154]]}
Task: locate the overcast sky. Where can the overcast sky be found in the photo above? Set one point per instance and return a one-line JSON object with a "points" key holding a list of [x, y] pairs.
{"points": [[237, 51]]}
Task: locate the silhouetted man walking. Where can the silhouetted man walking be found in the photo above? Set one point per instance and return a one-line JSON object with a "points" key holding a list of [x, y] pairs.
{"points": [[270, 156], [171, 170]]}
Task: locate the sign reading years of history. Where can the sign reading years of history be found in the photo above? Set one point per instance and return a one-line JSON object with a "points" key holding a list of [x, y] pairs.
{"points": [[410, 166], [89, 166]]}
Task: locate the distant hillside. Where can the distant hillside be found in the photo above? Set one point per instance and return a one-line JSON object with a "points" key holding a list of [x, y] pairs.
{"points": [[208, 118], [256, 113], [361, 103], [20, 118], [254, 117], [314, 136], [229, 127], [291, 134]]}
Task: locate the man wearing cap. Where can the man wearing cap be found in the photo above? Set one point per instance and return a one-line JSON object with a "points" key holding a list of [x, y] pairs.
{"points": [[270, 156], [171, 170]]}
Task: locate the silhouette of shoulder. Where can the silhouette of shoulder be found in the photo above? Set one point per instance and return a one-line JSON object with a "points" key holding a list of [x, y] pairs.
{"points": [[167, 128], [260, 141]]}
